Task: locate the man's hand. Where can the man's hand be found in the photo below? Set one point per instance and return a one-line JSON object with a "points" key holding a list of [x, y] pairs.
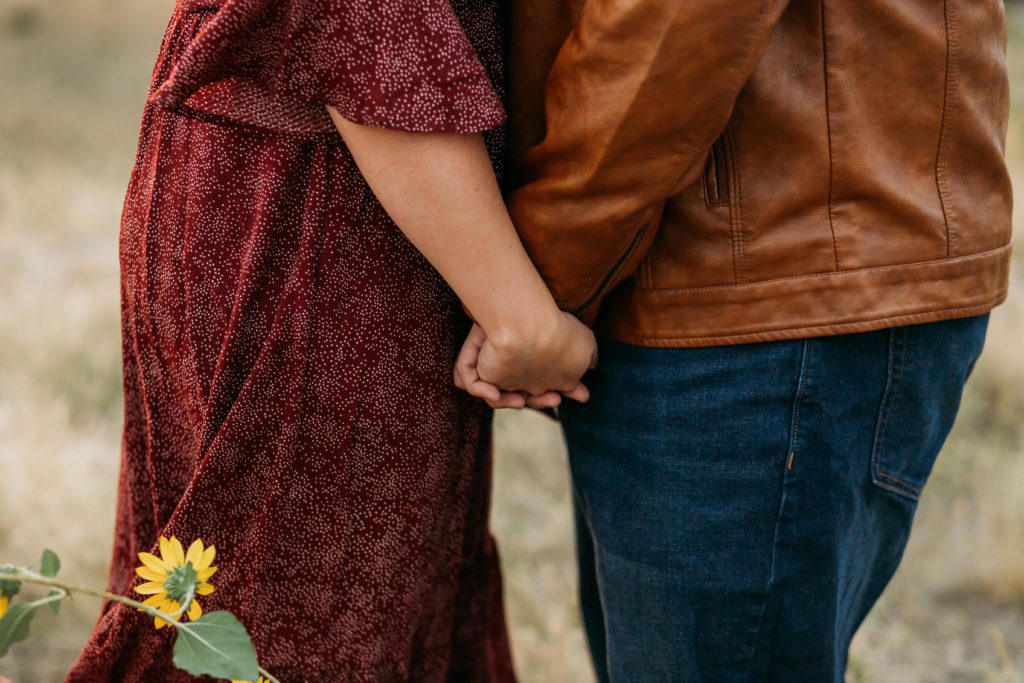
{"points": [[535, 371]]}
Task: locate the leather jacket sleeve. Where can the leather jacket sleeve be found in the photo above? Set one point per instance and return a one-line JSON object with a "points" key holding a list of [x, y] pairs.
{"points": [[636, 96]]}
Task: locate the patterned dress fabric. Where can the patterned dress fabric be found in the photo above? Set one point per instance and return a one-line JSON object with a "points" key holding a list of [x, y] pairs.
{"points": [[288, 353]]}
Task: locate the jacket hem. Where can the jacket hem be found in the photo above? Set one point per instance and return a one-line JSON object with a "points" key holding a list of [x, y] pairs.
{"points": [[808, 306]]}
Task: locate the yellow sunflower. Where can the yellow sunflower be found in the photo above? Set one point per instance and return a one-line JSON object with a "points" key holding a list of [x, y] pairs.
{"points": [[4, 601], [169, 577], [261, 680]]}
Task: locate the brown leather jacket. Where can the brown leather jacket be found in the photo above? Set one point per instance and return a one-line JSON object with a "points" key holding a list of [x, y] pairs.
{"points": [[730, 171]]}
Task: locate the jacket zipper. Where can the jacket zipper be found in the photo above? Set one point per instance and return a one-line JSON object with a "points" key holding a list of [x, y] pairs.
{"points": [[717, 173], [614, 271]]}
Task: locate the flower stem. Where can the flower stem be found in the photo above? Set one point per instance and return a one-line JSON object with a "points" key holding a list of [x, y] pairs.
{"points": [[32, 577], [50, 598], [27, 576]]}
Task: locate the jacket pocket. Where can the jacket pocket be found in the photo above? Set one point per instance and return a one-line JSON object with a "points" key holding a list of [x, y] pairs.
{"points": [[716, 174], [887, 471], [927, 367]]}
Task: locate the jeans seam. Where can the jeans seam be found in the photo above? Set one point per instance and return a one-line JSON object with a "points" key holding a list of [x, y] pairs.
{"points": [[797, 400], [890, 487], [891, 395], [795, 424], [898, 481], [893, 384]]}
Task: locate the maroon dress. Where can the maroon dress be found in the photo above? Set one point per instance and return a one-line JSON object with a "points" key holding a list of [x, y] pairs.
{"points": [[288, 354]]}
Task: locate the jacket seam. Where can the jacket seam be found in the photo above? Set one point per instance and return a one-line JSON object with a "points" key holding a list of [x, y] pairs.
{"points": [[739, 250], [646, 278], [828, 137], [771, 334], [828, 274], [948, 115]]}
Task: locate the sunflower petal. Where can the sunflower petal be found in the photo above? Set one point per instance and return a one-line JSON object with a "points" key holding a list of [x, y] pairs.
{"points": [[179, 552], [204, 589], [155, 600], [166, 553], [195, 551], [150, 588], [195, 611], [150, 575], [206, 559], [169, 606], [154, 562], [161, 622], [205, 574]]}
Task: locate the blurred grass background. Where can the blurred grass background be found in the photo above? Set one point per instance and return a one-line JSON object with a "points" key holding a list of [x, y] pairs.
{"points": [[73, 75]]}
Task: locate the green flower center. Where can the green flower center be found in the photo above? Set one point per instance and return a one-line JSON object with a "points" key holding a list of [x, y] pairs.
{"points": [[179, 581]]}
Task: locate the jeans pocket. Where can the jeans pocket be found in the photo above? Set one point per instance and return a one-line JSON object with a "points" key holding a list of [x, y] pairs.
{"points": [[928, 365]]}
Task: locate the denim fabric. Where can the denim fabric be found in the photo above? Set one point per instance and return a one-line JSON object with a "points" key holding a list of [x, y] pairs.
{"points": [[739, 509]]}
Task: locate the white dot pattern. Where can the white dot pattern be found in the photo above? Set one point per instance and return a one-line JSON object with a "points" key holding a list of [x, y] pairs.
{"points": [[288, 353], [416, 65]]}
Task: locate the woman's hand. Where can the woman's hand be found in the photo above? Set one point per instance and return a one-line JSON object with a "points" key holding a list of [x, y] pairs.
{"points": [[440, 190], [535, 366]]}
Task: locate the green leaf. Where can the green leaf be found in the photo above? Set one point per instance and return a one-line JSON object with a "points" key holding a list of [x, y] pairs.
{"points": [[9, 587], [50, 564], [218, 645], [55, 605], [14, 625]]}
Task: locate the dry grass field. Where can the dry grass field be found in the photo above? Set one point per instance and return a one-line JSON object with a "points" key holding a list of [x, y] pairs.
{"points": [[72, 78]]}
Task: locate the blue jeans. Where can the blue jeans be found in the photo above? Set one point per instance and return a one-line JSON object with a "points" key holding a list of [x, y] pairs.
{"points": [[739, 509]]}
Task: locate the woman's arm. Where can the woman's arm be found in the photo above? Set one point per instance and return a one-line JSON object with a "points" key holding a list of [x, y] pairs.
{"points": [[440, 190]]}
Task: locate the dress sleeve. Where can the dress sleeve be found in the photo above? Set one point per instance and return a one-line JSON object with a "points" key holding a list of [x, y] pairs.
{"points": [[402, 64]]}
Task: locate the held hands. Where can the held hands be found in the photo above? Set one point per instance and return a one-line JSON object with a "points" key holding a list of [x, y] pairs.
{"points": [[441, 191], [535, 367]]}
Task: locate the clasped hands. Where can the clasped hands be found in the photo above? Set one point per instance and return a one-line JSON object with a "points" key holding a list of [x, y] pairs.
{"points": [[535, 365]]}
